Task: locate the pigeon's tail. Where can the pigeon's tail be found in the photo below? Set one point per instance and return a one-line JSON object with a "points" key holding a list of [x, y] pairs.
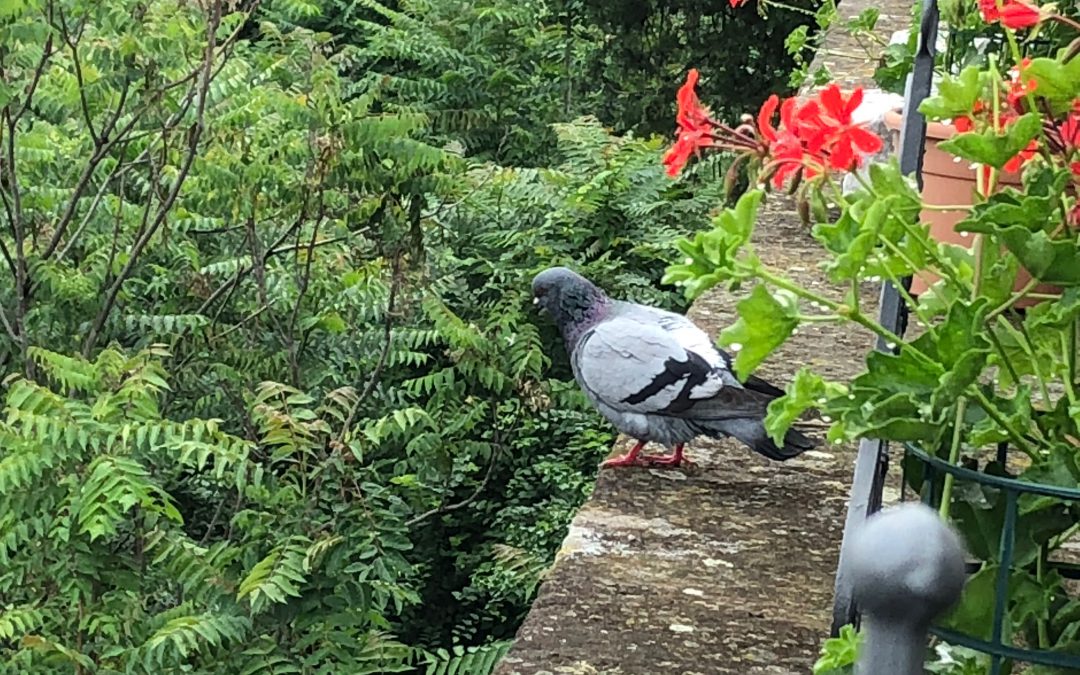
{"points": [[752, 433]]}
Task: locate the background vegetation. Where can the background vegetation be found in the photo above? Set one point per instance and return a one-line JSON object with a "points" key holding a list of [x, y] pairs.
{"points": [[276, 401]]}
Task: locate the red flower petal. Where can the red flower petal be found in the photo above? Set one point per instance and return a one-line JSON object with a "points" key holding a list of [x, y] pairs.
{"points": [[989, 10], [677, 157], [866, 141], [1017, 15], [764, 118]]}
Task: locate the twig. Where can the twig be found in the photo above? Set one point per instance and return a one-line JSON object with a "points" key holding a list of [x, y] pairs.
{"points": [[194, 134], [240, 324], [439, 510], [73, 46], [117, 172], [7, 326], [305, 278], [7, 255], [387, 339]]}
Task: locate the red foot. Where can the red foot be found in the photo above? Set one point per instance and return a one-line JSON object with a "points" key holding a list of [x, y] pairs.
{"points": [[676, 459], [629, 459], [635, 458]]}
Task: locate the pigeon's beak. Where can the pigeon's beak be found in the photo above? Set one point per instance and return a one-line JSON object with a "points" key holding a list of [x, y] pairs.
{"points": [[536, 303]]}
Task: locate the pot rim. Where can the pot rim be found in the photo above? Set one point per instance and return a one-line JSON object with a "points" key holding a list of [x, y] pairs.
{"points": [[894, 120]]}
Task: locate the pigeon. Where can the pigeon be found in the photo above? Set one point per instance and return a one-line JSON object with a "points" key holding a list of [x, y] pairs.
{"points": [[655, 375]]}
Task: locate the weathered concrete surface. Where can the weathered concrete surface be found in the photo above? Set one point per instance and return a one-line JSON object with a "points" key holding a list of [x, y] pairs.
{"points": [[725, 567]]}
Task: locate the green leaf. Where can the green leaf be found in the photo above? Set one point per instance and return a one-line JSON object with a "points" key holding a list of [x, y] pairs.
{"points": [[839, 654], [956, 96], [1052, 261], [994, 149], [1027, 599], [1015, 410], [765, 322], [961, 346], [807, 390], [1056, 82], [712, 257]]}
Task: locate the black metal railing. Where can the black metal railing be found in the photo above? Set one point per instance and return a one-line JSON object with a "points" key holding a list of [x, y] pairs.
{"points": [[934, 469], [871, 464]]}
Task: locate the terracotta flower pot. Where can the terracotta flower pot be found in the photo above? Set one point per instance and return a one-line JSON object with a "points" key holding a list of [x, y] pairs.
{"points": [[949, 180]]}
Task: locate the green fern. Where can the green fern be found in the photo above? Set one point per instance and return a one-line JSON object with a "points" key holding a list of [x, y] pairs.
{"points": [[467, 660], [276, 577]]}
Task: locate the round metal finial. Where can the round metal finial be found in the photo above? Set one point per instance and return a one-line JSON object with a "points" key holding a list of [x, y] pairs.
{"points": [[907, 567]]}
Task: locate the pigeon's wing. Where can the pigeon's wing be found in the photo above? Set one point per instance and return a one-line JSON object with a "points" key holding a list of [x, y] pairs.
{"points": [[635, 366], [689, 336], [687, 333], [753, 382]]}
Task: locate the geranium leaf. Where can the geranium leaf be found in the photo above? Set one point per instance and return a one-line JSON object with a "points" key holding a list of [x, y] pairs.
{"points": [[711, 255], [765, 322], [807, 390], [1056, 82], [992, 148], [956, 96]]}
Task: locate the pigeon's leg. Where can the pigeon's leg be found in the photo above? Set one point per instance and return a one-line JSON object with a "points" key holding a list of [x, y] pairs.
{"points": [[675, 459], [629, 459]]}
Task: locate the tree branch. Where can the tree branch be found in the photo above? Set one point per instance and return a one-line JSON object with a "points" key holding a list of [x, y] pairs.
{"points": [[439, 510], [388, 326], [194, 134], [73, 46], [116, 173], [8, 328], [305, 278]]}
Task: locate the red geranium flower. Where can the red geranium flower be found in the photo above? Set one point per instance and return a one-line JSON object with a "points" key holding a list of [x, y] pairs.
{"points": [[787, 151], [691, 115], [1016, 15], [843, 141], [695, 126], [1022, 157], [1013, 14], [736, 3], [1070, 130]]}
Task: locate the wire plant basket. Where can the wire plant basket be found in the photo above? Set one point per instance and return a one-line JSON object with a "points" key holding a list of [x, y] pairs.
{"points": [[926, 474]]}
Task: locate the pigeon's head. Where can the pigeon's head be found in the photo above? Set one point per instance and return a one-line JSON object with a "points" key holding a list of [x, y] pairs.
{"points": [[570, 299]]}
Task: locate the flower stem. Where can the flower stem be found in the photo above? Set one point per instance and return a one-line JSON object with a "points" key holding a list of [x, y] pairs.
{"points": [[996, 415], [1013, 299], [1040, 575], [996, 341], [954, 457], [1070, 361]]}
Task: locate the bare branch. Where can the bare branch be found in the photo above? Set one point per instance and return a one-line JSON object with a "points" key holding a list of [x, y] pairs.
{"points": [[388, 334], [15, 214], [73, 46], [117, 172], [38, 71], [7, 257], [8, 328], [439, 510], [305, 278], [194, 134]]}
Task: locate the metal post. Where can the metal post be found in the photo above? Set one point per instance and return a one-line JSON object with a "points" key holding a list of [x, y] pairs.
{"points": [[907, 567], [871, 464]]}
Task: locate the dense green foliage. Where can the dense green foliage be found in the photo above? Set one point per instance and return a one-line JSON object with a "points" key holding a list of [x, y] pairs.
{"points": [[277, 399]]}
